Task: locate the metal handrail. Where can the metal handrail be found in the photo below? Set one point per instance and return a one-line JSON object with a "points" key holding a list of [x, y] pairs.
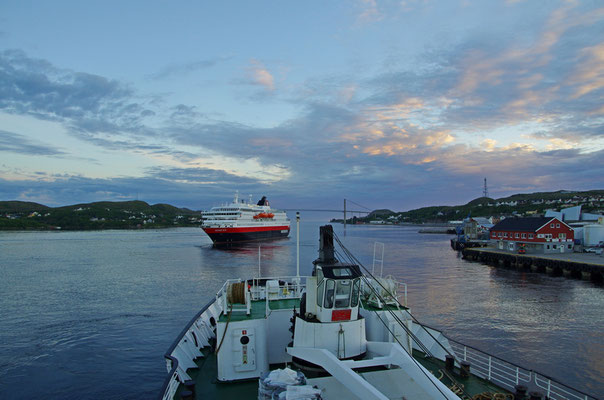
{"points": [[170, 384], [508, 374]]}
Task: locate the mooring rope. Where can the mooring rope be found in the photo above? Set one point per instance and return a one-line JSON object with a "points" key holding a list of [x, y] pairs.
{"points": [[225, 329]]}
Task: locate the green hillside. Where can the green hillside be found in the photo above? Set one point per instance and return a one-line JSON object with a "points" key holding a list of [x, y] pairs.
{"points": [[16, 215], [517, 204]]}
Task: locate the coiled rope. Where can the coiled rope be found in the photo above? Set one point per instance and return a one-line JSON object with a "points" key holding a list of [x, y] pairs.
{"points": [[236, 293]]}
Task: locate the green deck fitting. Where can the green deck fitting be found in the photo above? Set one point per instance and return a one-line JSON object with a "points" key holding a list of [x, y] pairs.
{"points": [[258, 309], [472, 385], [386, 307], [207, 386]]}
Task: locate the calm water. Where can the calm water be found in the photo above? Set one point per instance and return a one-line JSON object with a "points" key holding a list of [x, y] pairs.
{"points": [[88, 315]]}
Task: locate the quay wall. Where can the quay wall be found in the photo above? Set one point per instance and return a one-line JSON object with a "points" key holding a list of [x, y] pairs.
{"points": [[571, 266]]}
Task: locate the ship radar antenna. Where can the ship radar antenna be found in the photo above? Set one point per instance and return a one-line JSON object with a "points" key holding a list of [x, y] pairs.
{"points": [[485, 190]]}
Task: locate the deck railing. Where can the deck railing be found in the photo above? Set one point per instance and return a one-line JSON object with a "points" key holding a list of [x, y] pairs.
{"points": [[185, 348], [200, 329], [507, 375]]}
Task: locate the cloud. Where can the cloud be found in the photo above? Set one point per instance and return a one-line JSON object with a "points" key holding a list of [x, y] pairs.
{"points": [[260, 76], [15, 143], [369, 11], [589, 73], [410, 134], [195, 188], [172, 70], [85, 102]]}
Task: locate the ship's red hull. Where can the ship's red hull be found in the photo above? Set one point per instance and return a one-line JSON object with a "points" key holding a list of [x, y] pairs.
{"points": [[246, 234]]}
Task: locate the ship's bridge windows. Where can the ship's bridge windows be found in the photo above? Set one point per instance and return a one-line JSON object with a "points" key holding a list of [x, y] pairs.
{"points": [[343, 289], [320, 292], [341, 272], [319, 275], [341, 293], [356, 289], [330, 285]]}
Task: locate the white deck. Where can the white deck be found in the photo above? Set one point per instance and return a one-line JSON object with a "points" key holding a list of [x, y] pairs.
{"points": [[393, 383]]}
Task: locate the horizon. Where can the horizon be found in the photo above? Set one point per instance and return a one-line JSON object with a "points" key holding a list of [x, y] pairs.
{"points": [[315, 213], [392, 105]]}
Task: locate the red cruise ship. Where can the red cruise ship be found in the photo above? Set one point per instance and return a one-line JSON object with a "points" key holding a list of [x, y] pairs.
{"points": [[242, 221]]}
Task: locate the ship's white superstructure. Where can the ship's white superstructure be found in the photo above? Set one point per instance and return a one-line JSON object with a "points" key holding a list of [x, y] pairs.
{"points": [[345, 333]]}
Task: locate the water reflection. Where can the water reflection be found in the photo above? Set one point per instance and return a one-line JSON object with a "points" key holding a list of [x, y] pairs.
{"points": [[117, 300]]}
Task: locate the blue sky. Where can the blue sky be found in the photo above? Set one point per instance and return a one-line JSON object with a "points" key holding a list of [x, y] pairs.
{"points": [[392, 104]]}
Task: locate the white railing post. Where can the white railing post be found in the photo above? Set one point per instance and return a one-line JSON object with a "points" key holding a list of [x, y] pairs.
{"points": [[517, 377], [489, 378], [465, 353], [549, 387]]}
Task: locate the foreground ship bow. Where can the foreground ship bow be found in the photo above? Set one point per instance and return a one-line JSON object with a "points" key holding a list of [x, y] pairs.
{"points": [[242, 221], [344, 333]]}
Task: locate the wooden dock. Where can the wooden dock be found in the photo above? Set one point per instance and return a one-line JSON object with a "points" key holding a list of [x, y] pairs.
{"points": [[585, 266], [463, 244]]}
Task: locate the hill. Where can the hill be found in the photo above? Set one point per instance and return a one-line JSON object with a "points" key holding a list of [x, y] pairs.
{"points": [[16, 215], [517, 204], [20, 207]]}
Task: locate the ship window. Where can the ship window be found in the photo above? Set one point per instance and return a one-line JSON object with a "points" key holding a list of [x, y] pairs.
{"points": [[320, 291], [319, 275], [330, 286], [354, 300], [343, 290], [341, 272]]}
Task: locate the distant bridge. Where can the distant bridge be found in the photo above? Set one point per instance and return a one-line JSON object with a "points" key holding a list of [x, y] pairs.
{"points": [[325, 210], [344, 211]]}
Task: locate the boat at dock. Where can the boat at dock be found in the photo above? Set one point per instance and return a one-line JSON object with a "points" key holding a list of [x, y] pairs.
{"points": [[242, 221], [343, 332]]}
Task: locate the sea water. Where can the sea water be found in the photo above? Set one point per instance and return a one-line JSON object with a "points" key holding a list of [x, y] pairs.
{"points": [[89, 315]]}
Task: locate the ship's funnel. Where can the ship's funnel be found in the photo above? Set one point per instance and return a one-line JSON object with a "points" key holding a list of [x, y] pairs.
{"points": [[326, 250]]}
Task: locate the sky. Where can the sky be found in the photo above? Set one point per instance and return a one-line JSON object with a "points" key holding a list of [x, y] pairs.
{"points": [[389, 104]]}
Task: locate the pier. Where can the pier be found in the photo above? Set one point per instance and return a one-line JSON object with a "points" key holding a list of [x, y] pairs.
{"points": [[585, 266]]}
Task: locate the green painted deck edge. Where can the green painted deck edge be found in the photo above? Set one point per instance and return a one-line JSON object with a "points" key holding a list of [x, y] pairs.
{"points": [[207, 385], [258, 309], [473, 385]]}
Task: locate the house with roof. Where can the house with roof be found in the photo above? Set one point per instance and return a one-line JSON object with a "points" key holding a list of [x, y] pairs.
{"points": [[539, 235], [476, 228]]}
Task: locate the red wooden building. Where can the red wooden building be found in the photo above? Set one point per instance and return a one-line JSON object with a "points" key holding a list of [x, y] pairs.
{"points": [[534, 234]]}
